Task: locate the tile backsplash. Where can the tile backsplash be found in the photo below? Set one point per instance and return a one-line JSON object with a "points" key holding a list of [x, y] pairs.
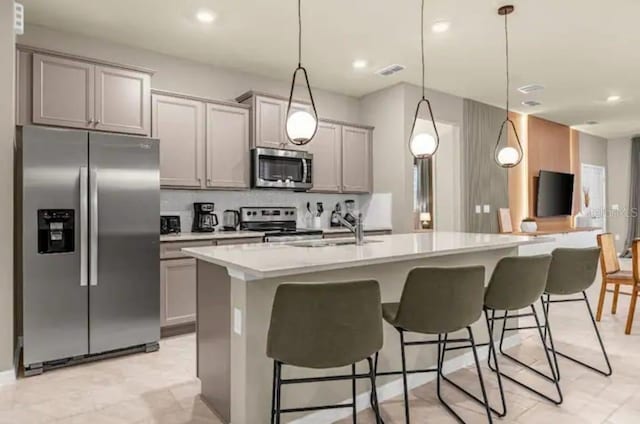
{"points": [[180, 202]]}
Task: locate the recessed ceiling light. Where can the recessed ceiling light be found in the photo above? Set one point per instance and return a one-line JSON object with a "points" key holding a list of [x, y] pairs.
{"points": [[205, 16], [359, 64], [613, 98], [530, 88], [440, 26], [531, 103]]}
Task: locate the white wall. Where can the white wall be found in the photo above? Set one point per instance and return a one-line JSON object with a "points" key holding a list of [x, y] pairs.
{"points": [[593, 149], [618, 186], [7, 133], [185, 76], [391, 111]]}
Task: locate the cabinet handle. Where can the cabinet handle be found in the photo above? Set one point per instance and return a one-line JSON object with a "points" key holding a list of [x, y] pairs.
{"points": [[90, 121], [98, 122]]}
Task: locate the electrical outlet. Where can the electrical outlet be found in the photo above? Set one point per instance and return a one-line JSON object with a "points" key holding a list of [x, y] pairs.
{"points": [[478, 209], [615, 207], [487, 208], [617, 237], [237, 321]]}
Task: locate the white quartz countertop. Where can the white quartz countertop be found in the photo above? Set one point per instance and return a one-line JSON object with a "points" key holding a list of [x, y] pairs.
{"points": [[215, 235], [267, 260]]}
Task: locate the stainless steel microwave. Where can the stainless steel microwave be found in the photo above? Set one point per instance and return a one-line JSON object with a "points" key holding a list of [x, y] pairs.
{"points": [[283, 169]]}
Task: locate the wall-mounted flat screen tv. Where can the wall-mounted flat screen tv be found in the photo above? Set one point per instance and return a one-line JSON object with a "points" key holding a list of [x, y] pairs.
{"points": [[555, 194]]}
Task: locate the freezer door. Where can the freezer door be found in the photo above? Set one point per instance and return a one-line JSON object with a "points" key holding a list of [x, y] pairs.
{"points": [[53, 218], [124, 199]]}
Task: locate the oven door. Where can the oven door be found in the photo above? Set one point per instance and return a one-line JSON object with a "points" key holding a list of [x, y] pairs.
{"points": [[284, 169]]}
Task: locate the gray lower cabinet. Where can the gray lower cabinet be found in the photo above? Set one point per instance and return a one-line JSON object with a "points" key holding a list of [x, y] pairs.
{"points": [[177, 292], [178, 282]]}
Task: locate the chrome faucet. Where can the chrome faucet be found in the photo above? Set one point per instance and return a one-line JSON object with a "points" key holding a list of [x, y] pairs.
{"points": [[356, 228]]}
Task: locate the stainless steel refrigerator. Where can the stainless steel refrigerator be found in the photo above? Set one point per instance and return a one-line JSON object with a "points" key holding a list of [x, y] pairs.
{"points": [[88, 235]]}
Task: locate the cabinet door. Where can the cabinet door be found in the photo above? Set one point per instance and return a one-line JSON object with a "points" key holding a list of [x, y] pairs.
{"points": [[327, 157], [122, 100], [269, 122], [177, 291], [356, 160], [63, 92], [180, 125], [227, 147]]}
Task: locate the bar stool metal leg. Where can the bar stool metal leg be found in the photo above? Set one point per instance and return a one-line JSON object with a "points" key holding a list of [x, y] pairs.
{"points": [[546, 303], [354, 412], [374, 391], [404, 378], [553, 378]]}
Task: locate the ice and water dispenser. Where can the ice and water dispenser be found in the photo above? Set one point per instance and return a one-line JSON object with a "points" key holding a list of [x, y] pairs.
{"points": [[55, 230]]}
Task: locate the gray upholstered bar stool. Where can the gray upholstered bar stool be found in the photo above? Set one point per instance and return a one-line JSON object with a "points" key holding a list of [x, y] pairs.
{"points": [[516, 284], [437, 301], [322, 326], [571, 273]]}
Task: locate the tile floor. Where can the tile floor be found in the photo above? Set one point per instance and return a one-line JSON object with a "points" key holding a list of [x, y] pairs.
{"points": [[160, 387]]}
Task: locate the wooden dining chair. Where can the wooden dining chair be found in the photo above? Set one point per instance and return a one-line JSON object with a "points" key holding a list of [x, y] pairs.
{"points": [[635, 251], [613, 275]]}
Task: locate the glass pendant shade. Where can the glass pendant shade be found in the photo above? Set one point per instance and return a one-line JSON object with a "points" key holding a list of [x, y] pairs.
{"points": [[301, 126], [422, 144], [508, 156]]}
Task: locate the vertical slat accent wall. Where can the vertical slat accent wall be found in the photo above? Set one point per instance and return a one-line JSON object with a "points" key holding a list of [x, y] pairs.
{"points": [[484, 183]]}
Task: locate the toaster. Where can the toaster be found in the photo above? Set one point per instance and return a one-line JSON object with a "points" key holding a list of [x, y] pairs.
{"points": [[170, 224]]}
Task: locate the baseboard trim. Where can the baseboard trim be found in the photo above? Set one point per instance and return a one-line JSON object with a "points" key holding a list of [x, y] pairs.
{"points": [[7, 377], [394, 388]]}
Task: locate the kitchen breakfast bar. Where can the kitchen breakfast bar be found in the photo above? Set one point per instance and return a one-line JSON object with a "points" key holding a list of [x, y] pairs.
{"points": [[235, 291]]}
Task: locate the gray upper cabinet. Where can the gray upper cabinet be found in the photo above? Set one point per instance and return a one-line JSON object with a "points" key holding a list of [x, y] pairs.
{"points": [[75, 93], [227, 147], [179, 123], [356, 160], [268, 120], [63, 92], [122, 100], [326, 147]]}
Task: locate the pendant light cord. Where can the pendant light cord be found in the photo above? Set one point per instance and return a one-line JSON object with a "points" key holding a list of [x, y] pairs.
{"points": [[422, 47], [299, 35], [506, 37]]}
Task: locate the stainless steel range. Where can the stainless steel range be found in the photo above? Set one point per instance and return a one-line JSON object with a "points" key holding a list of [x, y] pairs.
{"points": [[278, 223]]}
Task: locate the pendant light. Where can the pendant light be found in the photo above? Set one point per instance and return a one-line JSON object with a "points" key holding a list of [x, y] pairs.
{"points": [[301, 125], [422, 144], [508, 156]]}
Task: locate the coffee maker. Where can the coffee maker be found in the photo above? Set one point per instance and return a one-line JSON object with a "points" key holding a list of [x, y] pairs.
{"points": [[204, 218]]}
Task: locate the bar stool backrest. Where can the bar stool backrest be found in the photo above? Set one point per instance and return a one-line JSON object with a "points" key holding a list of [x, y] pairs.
{"points": [[517, 282], [441, 300], [609, 258], [325, 325], [572, 270]]}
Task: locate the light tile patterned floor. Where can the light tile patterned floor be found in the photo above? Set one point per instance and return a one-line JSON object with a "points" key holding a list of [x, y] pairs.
{"points": [[161, 387]]}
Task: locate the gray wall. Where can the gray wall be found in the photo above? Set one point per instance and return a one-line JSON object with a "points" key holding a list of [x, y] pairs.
{"points": [[7, 132], [618, 186], [485, 183], [593, 149], [186, 76]]}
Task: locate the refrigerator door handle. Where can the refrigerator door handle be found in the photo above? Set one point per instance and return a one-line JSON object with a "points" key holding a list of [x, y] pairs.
{"points": [[93, 236], [84, 224]]}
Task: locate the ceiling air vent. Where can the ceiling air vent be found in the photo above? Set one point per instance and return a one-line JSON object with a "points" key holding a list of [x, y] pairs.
{"points": [[18, 18], [526, 89], [591, 122], [531, 103], [390, 70]]}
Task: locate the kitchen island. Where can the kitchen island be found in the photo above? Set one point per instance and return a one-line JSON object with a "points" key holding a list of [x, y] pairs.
{"points": [[236, 286]]}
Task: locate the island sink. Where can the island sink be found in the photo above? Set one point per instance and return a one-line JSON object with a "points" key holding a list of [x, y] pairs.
{"points": [[327, 243]]}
